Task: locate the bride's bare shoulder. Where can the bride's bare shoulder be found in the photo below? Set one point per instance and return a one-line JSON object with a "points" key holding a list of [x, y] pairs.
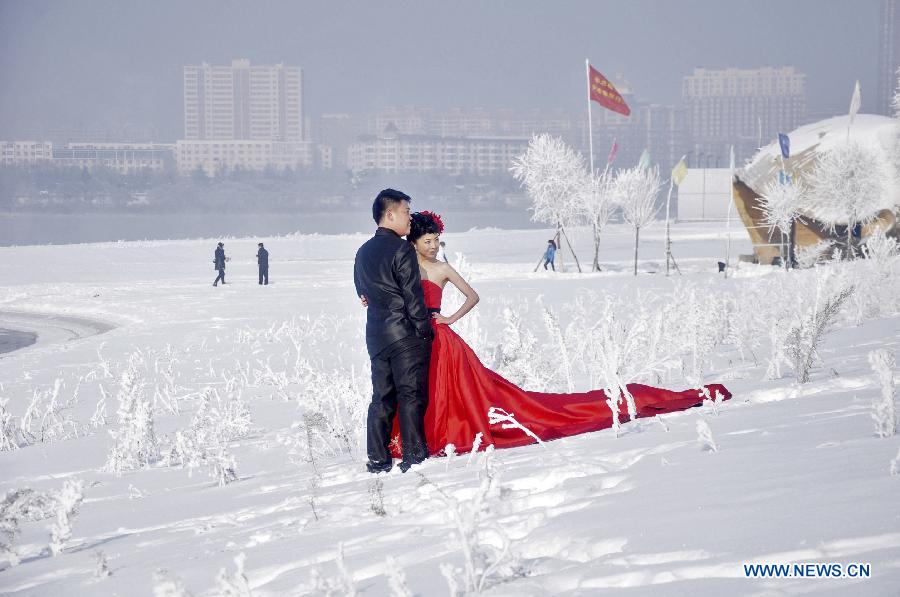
{"points": [[444, 267]]}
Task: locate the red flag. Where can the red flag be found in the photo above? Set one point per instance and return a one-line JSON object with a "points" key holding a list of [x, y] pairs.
{"points": [[613, 151], [604, 93]]}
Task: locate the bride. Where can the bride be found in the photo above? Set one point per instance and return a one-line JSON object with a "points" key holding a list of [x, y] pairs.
{"points": [[461, 390]]}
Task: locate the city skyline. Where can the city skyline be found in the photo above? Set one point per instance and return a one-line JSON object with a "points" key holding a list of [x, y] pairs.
{"points": [[502, 70]]}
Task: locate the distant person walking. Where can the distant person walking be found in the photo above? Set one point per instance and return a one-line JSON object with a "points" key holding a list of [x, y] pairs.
{"points": [[262, 259], [219, 260], [442, 253], [550, 254]]}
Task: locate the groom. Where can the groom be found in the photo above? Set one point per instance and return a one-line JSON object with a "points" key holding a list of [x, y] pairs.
{"points": [[398, 334]]}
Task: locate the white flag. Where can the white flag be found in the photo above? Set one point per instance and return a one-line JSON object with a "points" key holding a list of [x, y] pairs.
{"points": [[855, 102]]}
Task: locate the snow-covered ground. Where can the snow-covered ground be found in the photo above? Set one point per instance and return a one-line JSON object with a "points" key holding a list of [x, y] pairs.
{"points": [[798, 474]]}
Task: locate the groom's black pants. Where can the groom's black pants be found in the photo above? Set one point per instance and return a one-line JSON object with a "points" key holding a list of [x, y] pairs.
{"points": [[399, 388]]}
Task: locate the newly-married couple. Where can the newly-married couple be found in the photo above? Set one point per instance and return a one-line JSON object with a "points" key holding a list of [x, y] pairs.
{"points": [[428, 387]]}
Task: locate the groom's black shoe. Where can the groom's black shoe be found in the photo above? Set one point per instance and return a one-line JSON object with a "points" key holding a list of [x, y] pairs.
{"points": [[383, 467], [406, 464]]}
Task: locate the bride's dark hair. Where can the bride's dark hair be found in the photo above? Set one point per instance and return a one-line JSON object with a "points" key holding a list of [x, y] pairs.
{"points": [[424, 222]]}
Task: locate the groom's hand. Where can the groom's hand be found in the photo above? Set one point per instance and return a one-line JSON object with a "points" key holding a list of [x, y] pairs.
{"points": [[365, 301]]}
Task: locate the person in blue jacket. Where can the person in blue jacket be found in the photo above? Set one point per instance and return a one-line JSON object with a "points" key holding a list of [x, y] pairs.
{"points": [[550, 254]]}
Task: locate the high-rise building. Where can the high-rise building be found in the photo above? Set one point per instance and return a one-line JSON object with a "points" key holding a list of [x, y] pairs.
{"points": [[243, 102], [744, 108], [888, 55]]}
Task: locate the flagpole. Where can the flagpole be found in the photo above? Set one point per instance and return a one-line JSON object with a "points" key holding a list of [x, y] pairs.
{"points": [[668, 224], [668, 241], [587, 72]]}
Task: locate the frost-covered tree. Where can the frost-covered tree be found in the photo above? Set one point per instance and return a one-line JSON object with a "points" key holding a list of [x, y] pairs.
{"points": [[618, 345], [781, 204], [136, 446], [884, 410], [881, 251], [67, 502], [811, 255], [98, 419], [9, 429], [558, 339], [635, 191], [812, 318], [13, 507], [553, 176], [20, 505], [847, 188], [520, 358], [204, 444], [598, 203]]}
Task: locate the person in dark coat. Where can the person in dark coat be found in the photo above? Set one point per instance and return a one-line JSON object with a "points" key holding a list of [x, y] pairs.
{"points": [[219, 260], [398, 334], [262, 259]]}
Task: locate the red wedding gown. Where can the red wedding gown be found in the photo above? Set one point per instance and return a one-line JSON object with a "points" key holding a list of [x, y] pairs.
{"points": [[461, 390]]}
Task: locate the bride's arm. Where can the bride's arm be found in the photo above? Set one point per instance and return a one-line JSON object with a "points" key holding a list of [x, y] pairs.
{"points": [[463, 286]]}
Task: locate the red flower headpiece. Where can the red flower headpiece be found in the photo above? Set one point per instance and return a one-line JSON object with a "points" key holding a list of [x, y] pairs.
{"points": [[436, 219]]}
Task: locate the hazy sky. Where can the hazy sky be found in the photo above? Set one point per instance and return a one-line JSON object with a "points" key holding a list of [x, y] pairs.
{"points": [[110, 62]]}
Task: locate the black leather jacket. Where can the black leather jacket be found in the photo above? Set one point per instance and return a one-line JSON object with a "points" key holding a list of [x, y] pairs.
{"points": [[386, 272]]}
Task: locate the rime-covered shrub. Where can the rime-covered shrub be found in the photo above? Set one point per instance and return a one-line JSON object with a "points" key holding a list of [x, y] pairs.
{"points": [[884, 409], [484, 545], [166, 584], [521, 358], [48, 417], [810, 323], [204, 443], [10, 434], [17, 506], [67, 502], [135, 445], [334, 406], [234, 585]]}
